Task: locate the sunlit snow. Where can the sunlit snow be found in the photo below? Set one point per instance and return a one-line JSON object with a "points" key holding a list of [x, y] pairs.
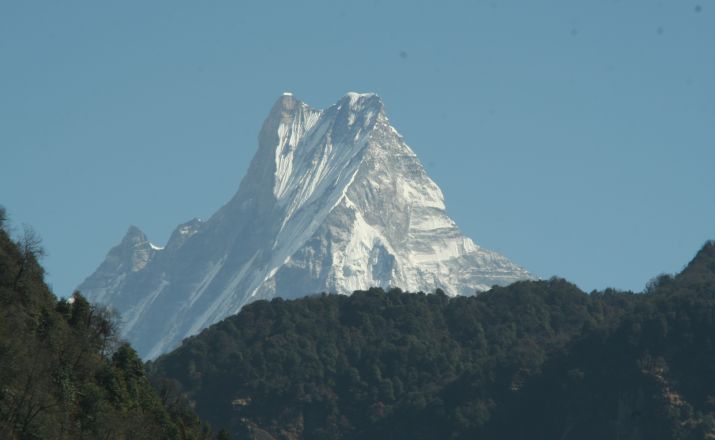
{"points": [[334, 201]]}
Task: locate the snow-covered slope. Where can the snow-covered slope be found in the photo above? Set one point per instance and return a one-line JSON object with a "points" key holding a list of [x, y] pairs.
{"points": [[333, 201]]}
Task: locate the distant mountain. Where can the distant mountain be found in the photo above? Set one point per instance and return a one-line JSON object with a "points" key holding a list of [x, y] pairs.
{"points": [[333, 201], [533, 360]]}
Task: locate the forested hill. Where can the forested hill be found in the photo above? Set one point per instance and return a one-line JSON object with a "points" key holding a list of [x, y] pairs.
{"points": [[63, 372], [533, 360]]}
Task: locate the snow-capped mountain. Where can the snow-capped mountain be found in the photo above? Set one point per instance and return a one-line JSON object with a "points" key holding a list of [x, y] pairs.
{"points": [[334, 201]]}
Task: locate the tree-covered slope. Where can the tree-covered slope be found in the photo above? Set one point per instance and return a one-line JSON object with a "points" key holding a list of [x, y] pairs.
{"points": [[532, 360], [652, 376], [63, 372]]}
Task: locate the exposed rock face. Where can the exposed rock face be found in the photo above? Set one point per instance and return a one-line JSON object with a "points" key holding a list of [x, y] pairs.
{"points": [[334, 200]]}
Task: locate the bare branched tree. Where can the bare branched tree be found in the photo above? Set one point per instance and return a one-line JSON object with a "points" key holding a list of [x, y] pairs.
{"points": [[30, 245]]}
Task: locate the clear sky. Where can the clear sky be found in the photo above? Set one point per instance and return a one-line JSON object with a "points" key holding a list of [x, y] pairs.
{"points": [[575, 137]]}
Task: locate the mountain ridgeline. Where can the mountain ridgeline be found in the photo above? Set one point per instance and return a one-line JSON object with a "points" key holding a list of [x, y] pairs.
{"points": [[536, 359], [334, 200]]}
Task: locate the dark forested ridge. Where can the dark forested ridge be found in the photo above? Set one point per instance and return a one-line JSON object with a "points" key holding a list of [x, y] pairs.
{"points": [[537, 359], [533, 360], [63, 372]]}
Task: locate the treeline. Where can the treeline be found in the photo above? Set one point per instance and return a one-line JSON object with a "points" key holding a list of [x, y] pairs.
{"points": [[536, 359], [64, 373]]}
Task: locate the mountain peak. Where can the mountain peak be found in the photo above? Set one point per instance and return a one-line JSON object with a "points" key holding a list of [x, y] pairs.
{"points": [[286, 101], [362, 102], [287, 105], [134, 251], [282, 111], [334, 200], [356, 97], [134, 231]]}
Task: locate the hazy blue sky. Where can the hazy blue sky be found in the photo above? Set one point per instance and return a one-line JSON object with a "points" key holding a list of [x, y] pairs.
{"points": [[576, 137]]}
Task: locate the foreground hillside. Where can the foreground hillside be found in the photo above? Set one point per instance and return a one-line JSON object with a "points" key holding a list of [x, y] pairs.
{"points": [[63, 372], [533, 360]]}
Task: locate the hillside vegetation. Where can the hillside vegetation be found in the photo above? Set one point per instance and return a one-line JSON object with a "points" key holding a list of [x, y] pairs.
{"points": [[536, 359], [64, 374]]}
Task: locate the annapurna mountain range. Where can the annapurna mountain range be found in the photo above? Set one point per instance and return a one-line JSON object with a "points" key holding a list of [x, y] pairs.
{"points": [[334, 200]]}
